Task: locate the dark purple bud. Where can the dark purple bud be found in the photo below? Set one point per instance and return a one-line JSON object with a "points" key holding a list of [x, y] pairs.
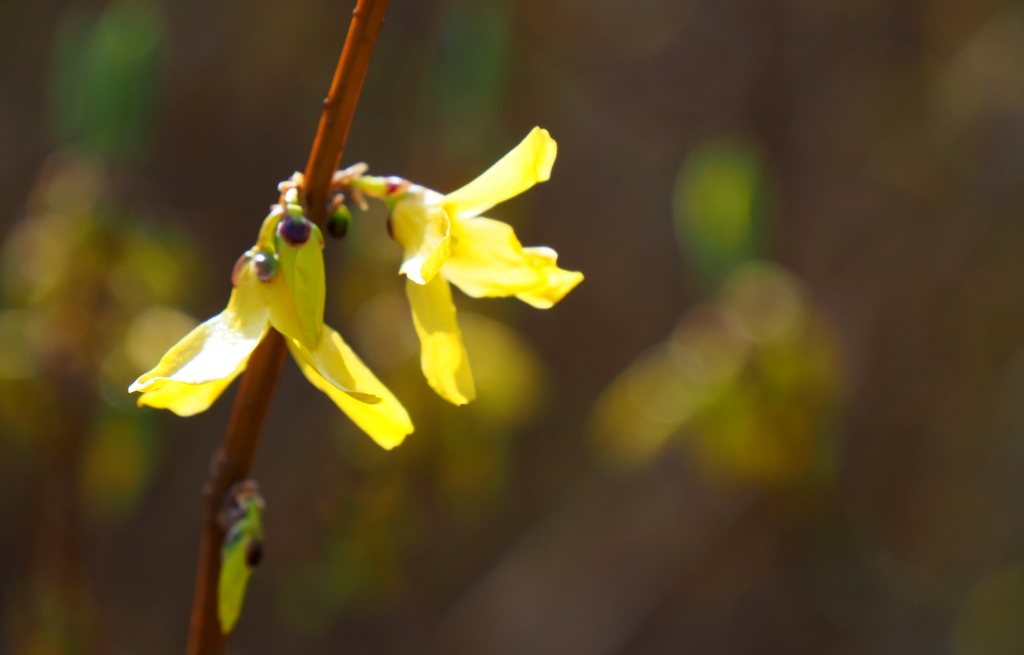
{"points": [[253, 553], [265, 265], [294, 231]]}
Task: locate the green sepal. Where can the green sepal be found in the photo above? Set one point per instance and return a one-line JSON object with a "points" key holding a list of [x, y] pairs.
{"points": [[302, 269], [235, 566]]}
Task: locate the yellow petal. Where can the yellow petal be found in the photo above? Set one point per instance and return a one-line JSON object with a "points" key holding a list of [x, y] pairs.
{"points": [[217, 349], [527, 164], [281, 312], [297, 310], [329, 361], [488, 261], [187, 399], [442, 355], [421, 227], [386, 421], [557, 281]]}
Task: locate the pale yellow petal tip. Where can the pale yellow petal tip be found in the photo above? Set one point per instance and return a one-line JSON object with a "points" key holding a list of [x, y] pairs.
{"points": [[183, 410], [545, 149], [182, 398], [558, 285], [389, 443], [147, 382], [453, 382], [454, 395], [445, 365], [386, 432]]}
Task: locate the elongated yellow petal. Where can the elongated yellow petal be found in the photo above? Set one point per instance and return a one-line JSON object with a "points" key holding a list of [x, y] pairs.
{"points": [[442, 355], [421, 227], [216, 349], [329, 360], [527, 164], [187, 399], [386, 421], [299, 305], [488, 261]]}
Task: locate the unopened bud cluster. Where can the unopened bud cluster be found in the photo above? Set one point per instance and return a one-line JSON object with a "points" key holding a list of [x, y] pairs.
{"points": [[352, 185], [286, 226]]}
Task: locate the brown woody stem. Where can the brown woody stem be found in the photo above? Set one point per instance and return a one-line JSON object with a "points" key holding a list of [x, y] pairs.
{"points": [[234, 458]]}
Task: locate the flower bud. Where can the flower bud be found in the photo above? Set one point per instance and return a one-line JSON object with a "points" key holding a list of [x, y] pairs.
{"points": [[338, 222], [294, 231], [264, 264]]}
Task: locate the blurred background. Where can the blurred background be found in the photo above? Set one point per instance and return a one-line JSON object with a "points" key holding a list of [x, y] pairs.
{"points": [[784, 413]]}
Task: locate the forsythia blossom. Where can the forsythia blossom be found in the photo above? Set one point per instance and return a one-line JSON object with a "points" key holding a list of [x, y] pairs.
{"points": [[278, 283], [445, 239]]}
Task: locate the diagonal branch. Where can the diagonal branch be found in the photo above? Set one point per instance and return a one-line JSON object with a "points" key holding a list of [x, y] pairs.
{"points": [[234, 458]]}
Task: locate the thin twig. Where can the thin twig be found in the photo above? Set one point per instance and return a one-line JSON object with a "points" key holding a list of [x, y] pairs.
{"points": [[234, 459], [340, 104]]}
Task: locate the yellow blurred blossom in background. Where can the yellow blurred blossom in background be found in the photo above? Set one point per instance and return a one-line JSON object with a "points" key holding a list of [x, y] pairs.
{"points": [[752, 380]]}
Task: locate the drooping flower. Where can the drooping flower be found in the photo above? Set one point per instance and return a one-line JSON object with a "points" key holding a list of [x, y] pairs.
{"points": [[278, 283], [446, 240]]}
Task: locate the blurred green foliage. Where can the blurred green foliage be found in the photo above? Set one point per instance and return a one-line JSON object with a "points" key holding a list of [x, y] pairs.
{"points": [[107, 76], [720, 203], [468, 79], [752, 379]]}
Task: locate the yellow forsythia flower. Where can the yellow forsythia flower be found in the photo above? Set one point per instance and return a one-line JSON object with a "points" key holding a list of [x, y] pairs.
{"points": [[278, 283], [446, 240]]}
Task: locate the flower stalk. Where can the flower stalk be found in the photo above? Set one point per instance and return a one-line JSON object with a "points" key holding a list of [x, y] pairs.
{"points": [[233, 460]]}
